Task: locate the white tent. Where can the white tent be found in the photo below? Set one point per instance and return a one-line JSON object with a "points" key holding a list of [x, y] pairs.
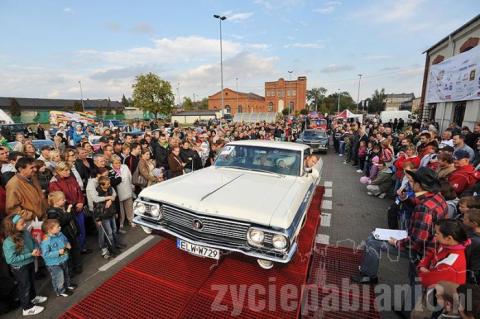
{"points": [[4, 118], [346, 114]]}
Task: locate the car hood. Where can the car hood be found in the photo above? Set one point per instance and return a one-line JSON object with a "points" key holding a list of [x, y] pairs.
{"points": [[255, 197]]}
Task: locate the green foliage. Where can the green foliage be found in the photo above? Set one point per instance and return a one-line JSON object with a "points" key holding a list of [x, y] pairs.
{"points": [[15, 109], [285, 111], [152, 94], [188, 104], [316, 97], [77, 106], [331, 103], [304, 111], [203, 104], [99, 112], [377, 103], [125, 101]]}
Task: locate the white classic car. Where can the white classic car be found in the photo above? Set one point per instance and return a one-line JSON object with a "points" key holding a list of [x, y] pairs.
{"points": [[253, 201]]}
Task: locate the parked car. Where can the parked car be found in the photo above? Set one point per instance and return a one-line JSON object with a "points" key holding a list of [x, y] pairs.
{"points": [[316, 139], [38, 144], [253, 201]]}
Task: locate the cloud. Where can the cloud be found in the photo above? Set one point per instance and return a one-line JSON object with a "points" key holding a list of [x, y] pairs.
{"points": [[335, 68], [68, 10], [164, 50], [391, 11], [279, 4], [126, 72], [142, 27], [376, 57], [308, 45], [328, 7], [237, 17]]}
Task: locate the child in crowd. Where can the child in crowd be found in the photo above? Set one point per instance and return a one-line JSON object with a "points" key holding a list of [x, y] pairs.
{"points": [[19, 248], [68, 224], [44, 175], [373, 172], [380, 186], [447, 262], [472, 221], [104, 214], [368, 159], [466, 203], [55, 248], [362, 154]]}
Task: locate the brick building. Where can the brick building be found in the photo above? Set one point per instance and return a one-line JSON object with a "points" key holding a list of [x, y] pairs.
{"points": [[283, 94], [236, 102], [279, 95]]}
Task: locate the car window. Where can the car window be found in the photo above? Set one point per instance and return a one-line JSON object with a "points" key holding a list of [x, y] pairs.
{"points": [[256, 158]]}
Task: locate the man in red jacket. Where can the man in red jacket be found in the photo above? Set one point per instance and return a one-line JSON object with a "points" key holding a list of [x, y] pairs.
{"points": [[465, 175]]}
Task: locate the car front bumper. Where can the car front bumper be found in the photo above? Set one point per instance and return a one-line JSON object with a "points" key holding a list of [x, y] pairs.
{"points": [[281, 258]]}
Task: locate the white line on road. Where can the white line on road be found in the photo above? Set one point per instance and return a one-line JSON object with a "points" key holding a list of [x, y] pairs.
{"points": [[126, 253], [325, 219], [328, 184], [328, 192], [327, 204], [322, 239]]}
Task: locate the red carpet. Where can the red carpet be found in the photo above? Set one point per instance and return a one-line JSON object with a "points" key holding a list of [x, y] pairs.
{"points": [[167, 283]]}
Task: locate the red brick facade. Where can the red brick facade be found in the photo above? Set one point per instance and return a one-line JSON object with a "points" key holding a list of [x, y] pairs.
{"points": [[279, 95]]}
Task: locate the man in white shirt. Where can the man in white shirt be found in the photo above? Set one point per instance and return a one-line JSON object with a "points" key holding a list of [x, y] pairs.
{"points": [[446, 139]]}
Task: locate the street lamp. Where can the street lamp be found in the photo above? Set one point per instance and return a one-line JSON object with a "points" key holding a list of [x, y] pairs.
{"points": [[358, 93], [220, 19], [81, 95]]}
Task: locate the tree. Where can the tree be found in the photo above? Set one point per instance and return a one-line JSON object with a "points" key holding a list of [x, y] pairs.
{"points": [[99, 112], [15, 109], [332, 103], [152, 94], [125, 101], [285, 111], [188, 105], [316, 96], [77, 106], [202, 105], [377, 103], [304, 111]]}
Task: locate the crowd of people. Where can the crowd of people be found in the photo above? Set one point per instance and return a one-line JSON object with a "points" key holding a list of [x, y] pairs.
{"points": [[432, 180], [84, 184]]}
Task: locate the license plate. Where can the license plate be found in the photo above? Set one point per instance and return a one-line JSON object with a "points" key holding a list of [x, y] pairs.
{"points": [[197, 250]]}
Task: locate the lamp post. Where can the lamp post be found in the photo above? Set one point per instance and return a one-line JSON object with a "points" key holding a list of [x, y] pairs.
{"points": [[236, 85], [81, 95], [220, 19], [358, 93]]}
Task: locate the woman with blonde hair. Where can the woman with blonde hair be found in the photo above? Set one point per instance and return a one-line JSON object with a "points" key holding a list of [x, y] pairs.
{"points": [[146, 166], [55, 158], [124, 192]]}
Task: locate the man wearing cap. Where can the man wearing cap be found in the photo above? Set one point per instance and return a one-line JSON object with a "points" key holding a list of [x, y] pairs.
{"points": [[459, 144], [103, 141], [465, 175], [430, 206]]}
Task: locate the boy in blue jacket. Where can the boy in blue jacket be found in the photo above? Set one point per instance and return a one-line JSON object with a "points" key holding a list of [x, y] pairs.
{"points": [[55, 248]]}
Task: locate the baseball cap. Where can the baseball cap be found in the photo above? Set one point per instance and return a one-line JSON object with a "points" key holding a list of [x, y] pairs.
{"points": [[427, 178], [103, 139], [460, 154]]}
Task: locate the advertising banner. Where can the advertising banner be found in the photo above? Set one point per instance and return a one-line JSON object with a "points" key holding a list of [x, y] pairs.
{"points": [[455, 79]]}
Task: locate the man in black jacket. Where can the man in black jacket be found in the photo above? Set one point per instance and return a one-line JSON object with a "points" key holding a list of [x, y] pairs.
{"points": [[161, 150], [190, 157]]}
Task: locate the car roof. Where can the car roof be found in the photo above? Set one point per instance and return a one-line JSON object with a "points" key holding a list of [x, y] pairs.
{"points": [[273, 144]]}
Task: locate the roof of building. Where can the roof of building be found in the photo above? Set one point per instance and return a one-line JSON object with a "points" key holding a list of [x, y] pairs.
{"points": [[249, 95], [195, 113], [49, 104], [471, 21], [400, 96]]}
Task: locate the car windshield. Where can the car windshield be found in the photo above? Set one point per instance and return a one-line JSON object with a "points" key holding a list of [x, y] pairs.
{"points": [[263, 159], [40, 143], [314, 134]]}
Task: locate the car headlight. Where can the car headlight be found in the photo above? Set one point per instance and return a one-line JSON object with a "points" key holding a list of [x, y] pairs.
{"points": [[279, 241], [155, 211], [140, 208], [255, 237]]}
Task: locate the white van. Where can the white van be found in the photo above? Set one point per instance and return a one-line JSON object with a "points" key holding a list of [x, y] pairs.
{"points": [[386, 116]]}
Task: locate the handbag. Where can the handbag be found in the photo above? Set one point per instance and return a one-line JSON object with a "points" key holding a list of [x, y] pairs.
{"points": [[138, 179]]}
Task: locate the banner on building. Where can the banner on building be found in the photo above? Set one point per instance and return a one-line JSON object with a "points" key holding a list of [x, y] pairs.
{"points": [[455, 79]]}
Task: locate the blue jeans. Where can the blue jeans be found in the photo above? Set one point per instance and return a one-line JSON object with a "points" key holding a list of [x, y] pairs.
{"points": [[25, 277], [80, 217], [110, 231], [341, 147], [60, 277]]}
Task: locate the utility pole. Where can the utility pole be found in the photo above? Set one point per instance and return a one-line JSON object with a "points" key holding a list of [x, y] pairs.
{"points": [[81, 96], [220, 19], [178, 94], [289, 79], [358, 93]]}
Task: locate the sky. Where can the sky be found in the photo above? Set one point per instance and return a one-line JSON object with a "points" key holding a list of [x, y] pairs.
{"points": [[48, 46]]}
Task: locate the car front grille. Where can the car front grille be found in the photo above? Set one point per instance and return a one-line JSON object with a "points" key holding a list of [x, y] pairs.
{"points": [[175, 216]]}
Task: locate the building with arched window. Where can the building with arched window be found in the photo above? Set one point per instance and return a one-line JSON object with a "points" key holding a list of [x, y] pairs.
{"points": [[463, 111], [236, 102]]}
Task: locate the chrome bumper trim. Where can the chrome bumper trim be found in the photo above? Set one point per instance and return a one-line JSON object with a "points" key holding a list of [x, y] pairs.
{"points": [[138, 220]]}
